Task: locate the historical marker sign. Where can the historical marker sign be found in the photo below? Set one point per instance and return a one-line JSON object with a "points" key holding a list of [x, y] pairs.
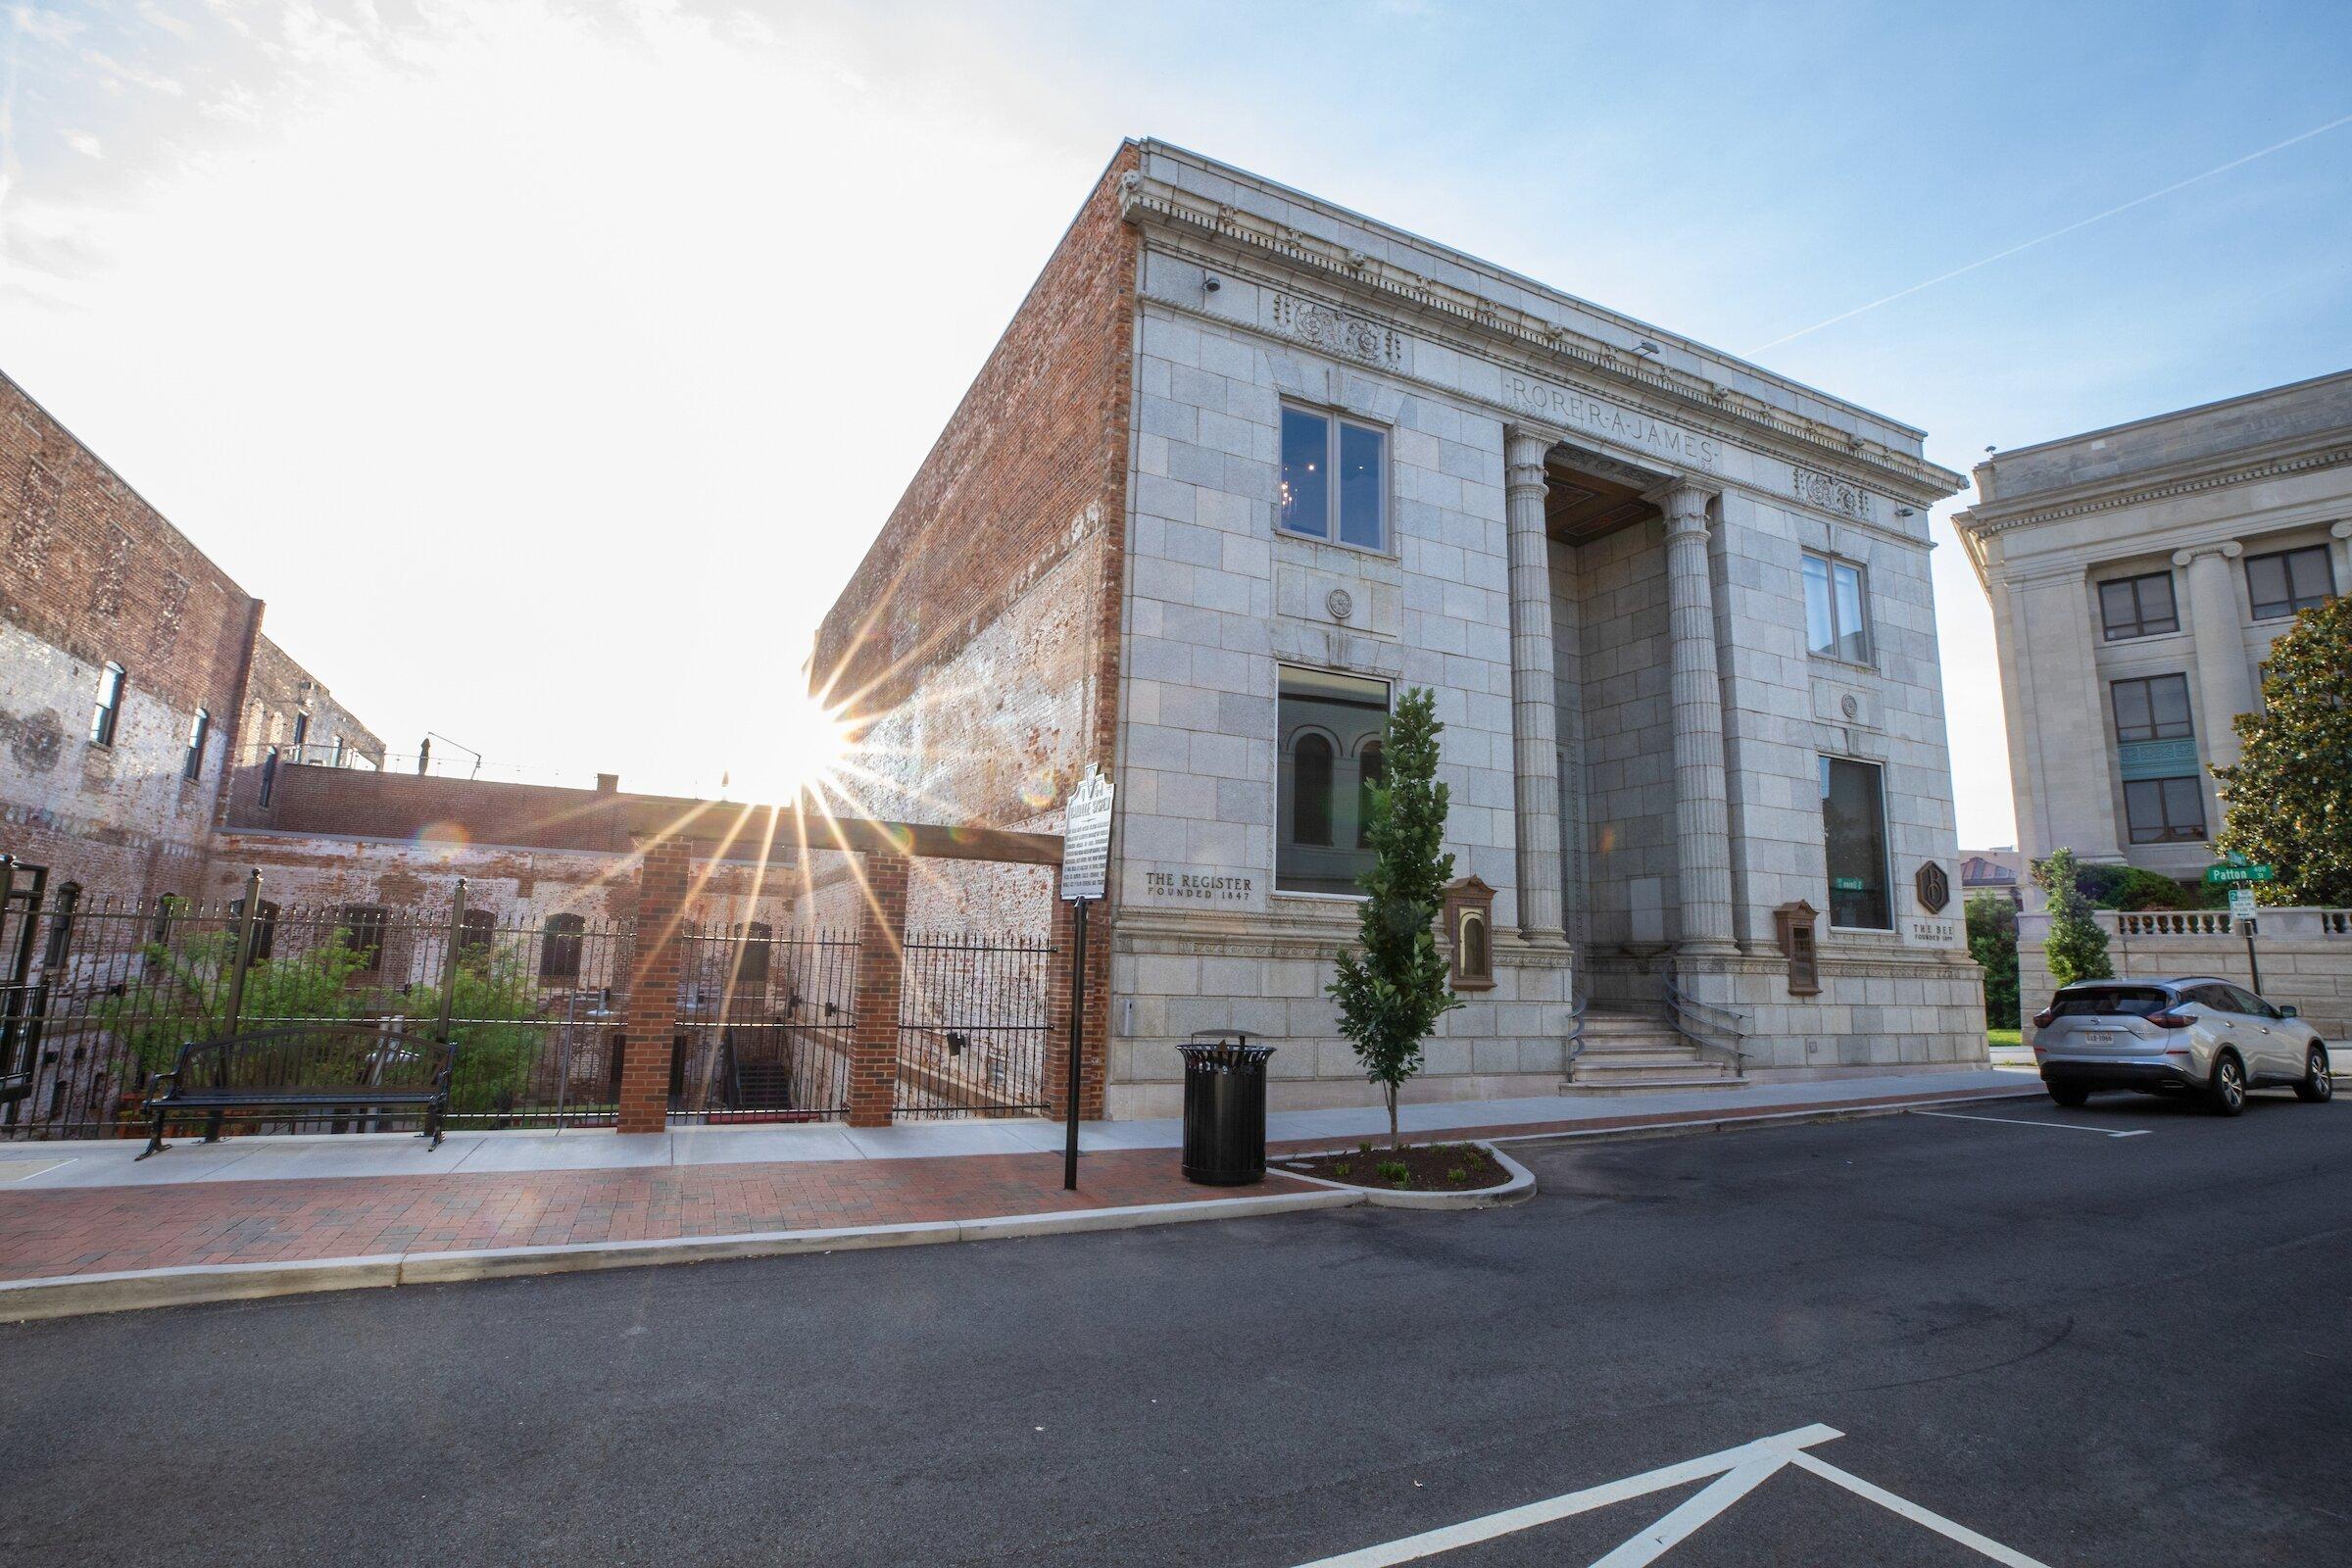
{"points": [[1085, 837]]}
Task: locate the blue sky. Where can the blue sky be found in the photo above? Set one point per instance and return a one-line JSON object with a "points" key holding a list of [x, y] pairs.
{"points": [[458, 330]]}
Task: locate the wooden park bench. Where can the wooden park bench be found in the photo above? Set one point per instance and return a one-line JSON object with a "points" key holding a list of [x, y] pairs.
{"points": [[335, 1068]]}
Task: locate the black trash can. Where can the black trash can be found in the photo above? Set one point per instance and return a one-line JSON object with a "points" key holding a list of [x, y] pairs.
{"points": [[1224, 1110]]}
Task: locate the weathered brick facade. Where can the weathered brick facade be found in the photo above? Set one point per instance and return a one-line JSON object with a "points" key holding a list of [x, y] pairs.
{"points": [[90, 574]]}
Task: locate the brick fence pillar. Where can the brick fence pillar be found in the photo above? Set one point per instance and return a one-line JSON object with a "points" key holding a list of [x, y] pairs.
{"points": [[651, 1022], [881, 969], [1058, 1009]]}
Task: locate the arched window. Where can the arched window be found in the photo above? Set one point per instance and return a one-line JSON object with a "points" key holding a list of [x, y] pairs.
{"points": [[756, 943], [1372, 769], [363, 932], [559, 947], [1310, 789], [475, 928], [264, 926], [1475, 964]]}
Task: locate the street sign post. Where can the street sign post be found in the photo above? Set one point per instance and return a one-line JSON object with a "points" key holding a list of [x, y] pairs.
{"points": [[1085, 866], [2241, 911], [2242, 903], [2236, 873]]}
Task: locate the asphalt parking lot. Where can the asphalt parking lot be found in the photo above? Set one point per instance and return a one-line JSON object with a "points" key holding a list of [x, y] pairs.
{"points": [[2000, 1333]]}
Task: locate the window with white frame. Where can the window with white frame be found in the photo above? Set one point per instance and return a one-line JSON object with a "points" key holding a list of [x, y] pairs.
{"points": [[198, 733], [109, 708], [1837, 609], [1333, 728], [1335, 478]]}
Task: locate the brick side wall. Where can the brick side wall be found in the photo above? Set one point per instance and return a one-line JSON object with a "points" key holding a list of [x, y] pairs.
{"points": [[89, 572], [350, 801], [982, 630]]}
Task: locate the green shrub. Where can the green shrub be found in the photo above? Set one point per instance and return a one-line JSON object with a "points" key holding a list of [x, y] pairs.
{"points": [[2077, 946], [1993, 943]]}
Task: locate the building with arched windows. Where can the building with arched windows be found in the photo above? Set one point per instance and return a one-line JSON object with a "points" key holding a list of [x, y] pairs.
{"points": [[1245, 466]]}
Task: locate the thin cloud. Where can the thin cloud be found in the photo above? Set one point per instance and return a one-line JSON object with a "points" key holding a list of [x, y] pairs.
{"points": [[83, 142], [2055, 234]]}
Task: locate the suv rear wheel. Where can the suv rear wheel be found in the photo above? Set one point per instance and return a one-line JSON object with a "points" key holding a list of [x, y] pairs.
{"points": [[2316, 1086], [2226, 1091], [2069, 1094]]}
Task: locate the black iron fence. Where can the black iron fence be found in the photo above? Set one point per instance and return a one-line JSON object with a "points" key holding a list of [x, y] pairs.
{"points": [[115, 987], [763, 1024], [972, 1025], [98, 994]]}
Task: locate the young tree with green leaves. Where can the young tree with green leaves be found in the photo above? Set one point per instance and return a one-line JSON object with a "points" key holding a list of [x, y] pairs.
{"points": [[2077, 946], [2290, 795], [1393, 990]]}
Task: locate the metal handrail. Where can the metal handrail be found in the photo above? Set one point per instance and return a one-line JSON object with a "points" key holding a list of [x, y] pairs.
{"points": [[1573, 1046], [1703, 1016]]}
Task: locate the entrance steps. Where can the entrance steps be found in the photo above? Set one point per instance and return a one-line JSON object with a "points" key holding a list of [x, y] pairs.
{"points": [[1625, 1051]]}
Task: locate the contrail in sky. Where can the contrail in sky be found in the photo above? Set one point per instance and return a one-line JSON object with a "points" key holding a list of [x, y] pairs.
{"points": [[2039, 239]]}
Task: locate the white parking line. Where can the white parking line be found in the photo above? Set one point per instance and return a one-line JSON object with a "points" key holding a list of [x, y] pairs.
{"points": [[1738, 1472], [2054, 1126]]}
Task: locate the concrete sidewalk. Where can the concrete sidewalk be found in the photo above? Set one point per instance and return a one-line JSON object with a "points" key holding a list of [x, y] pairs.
{"points": [[41, 1166], [84, 1226]]}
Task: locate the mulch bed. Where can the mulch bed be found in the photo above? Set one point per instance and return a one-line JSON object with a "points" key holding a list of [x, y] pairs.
{"points": [[1427, 1167]]}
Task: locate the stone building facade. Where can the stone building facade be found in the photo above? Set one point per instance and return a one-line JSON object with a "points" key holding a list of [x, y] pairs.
{"points": [[1246, 463], [135, 681], [2139, 577]]}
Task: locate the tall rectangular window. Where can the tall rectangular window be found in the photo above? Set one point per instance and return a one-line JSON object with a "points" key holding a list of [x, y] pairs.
{"points": [[1837, 612], [198, 733], [2289, 580], [2165, 811], [110, 706], [2152, 708], [1333, 728], [1853, 823], [1335, 479], [2138, 606]]}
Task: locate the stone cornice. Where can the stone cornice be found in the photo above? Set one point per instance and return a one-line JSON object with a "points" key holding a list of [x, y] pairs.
{"points": [[1143, 201], [1999, 518]]}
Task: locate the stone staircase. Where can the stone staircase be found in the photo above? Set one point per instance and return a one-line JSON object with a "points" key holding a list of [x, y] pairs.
{"points": [[1627, 1050]]}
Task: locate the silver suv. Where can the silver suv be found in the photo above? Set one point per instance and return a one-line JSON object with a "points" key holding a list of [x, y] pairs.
{"points": [[2194, 1034]]}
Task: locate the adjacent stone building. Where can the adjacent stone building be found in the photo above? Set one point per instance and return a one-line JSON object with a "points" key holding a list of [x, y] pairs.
{"points": [[2138, 576], [1243, 465]]}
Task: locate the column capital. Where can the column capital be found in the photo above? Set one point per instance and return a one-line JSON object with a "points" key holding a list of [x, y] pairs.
{"points": [[1685, 504], [1524, 447], [2342, 530], [2229, 551]]}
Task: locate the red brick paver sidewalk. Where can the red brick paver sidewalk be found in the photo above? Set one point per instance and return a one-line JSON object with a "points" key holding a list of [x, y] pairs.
{"points": [[108, 1229]]}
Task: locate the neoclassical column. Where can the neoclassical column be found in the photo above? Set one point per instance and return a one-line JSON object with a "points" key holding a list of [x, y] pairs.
{"points": [[2225, 686], [1702, 831], [1535, 715]]}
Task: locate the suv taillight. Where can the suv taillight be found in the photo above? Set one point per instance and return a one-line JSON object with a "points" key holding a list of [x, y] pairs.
{"points": [[2170, 1020], [2041, 1019]]}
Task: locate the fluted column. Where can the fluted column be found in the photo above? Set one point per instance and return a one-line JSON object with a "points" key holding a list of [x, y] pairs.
{"points": [[1534, 713], [2225, 686], [1702, 833]]}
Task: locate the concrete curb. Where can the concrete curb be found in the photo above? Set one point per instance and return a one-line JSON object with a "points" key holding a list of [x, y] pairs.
{"points": [[1517, 1190], [77, 1295]]}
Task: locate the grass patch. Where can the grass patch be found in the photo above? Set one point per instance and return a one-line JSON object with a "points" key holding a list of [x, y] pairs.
{"points": [[1998, 1038]]}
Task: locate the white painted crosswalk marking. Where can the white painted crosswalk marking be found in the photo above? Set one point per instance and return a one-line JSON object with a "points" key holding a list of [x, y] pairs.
{"points": [[1737, 1471]]}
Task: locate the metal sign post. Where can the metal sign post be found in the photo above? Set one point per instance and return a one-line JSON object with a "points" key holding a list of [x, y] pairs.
{"points": [[2242, 910], [1085, 863]]}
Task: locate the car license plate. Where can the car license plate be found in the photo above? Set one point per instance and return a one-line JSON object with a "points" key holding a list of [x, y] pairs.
{"points": [[2099, 1037]]}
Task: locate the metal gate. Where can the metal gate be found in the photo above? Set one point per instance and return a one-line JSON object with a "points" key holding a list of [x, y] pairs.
{"points": [[763, 1024], [972, 1026]]}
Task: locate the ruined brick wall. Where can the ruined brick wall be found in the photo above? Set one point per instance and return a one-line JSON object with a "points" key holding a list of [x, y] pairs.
{"points": [[289, 711], [307, 798], [91, 573]]}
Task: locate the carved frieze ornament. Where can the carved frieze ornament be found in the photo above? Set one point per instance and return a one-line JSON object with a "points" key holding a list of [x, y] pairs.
{"points": [[1831, 494]]}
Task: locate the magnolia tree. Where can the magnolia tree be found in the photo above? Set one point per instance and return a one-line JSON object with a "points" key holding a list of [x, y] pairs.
{"points": [[1392, 990], [2290, 792]]}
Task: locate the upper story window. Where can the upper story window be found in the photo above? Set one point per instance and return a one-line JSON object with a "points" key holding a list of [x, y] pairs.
{"points": [[1333, 730], [198, 732], [2289, 580], [1335, 479], [1837, 609], [110, 706], [2152, 708], [2138, 607]]}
